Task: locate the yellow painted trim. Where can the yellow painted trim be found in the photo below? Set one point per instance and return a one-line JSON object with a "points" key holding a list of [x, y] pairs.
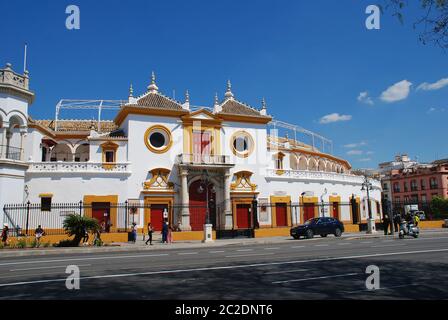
{"points": [[168, 200], [242, 118], [251, 144], [126, 110], [190, 235], [280, 199], [45, 195], [112, 199], [167, 132], [272, 232], [105, 237], [109, 146], [235, 202], [313, 200], [332, 200]]}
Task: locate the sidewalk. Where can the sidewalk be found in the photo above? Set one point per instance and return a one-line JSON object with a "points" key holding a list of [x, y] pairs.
{"points": [[157, 245]]}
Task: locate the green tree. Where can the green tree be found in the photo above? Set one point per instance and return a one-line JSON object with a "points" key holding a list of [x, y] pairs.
{"points": [[434, 19], [75, 225], [439, 206]]}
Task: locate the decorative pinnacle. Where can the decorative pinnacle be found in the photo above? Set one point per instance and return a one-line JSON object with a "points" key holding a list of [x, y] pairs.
{"points": [[216, 99], [131, 91], [187, 96], [229, 94], [153, 87], [263, 104]]}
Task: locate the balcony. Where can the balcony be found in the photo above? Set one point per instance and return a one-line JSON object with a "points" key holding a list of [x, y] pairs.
{"points": [[10, 153], [320, 176], [204, 160], [79, 167]]}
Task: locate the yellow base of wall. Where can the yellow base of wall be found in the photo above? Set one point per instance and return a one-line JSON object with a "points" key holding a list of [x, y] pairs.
{"points": [[431, 224], [106, 237], [351, 227], [272, 232], [190, 235]]}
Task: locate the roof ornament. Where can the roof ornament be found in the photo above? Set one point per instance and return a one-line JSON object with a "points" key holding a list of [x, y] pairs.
{"points": [[263, 110], [229, 94], [186, 104], [131, 91], [216, 107], [152, 88]]}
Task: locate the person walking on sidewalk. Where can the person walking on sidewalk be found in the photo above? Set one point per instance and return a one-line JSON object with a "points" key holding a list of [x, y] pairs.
{"points": [[169, 236], [134, 232], [386, 222], [150, 231], [164, 231], [5, 234], [397, 221], [39, 233]]}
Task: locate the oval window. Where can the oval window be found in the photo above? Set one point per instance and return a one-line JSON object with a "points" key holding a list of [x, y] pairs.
{"points": [[242, 144], [158, 139]]}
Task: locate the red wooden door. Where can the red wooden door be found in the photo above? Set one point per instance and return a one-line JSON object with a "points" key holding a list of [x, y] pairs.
{"points": [[335, 210], [308, 212], [157, 216], [201, 145], [198, 205], [280, 214], [243, 216], [101, 212]]}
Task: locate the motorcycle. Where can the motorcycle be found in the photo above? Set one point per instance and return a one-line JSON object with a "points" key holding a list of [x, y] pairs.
{"points": [[408, 229]]}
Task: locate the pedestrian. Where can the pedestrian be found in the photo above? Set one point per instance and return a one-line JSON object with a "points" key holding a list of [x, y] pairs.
{"points": [[164, 231], [397, 221], [386, 222], [150, 231], [39, 233], [169, 236], [85, 238], [134, 232], [5, 234], [97, 239]]}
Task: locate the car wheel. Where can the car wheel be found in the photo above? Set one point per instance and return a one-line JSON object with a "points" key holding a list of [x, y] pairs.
{"points": [[309, 234], [296, 237], [416, 236], [323, 235], [401, 236], [337, 232]]}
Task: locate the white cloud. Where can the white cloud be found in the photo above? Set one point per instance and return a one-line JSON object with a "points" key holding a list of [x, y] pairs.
{"points": [[433, 86], [434, 110], [355, 145], [365, 159], [397, 92], [364, 98], [334, 117], [355, 152]]}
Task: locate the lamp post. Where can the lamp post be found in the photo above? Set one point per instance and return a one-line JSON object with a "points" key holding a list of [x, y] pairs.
{"points": [[205, 184], [302, 195], [367, 186]]}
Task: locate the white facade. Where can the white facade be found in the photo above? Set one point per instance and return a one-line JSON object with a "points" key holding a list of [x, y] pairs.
{"points": [[156, 150]]}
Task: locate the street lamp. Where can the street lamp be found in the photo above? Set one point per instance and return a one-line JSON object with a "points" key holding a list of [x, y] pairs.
{"points": [[322, 202], [205, 184], [367, 186]]}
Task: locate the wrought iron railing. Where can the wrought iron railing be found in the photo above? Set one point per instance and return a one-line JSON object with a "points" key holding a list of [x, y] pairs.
{"points": [[203, 159], [10, 153]]}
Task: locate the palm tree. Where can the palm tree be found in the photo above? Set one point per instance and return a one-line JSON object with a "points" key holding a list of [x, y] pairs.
{"points": [[76, 225]]}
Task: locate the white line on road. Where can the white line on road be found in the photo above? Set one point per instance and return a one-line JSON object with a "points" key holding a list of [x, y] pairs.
{"points": [[249, 255], [85, 258], [389, 245], [55, 267], [321, 245], [271, 248], [287, 271], [366, 242], [343, 244], [386, 288], [297, 247], [218, 251], [316, 278], [186, 253], [243, 250], [230, 267]]}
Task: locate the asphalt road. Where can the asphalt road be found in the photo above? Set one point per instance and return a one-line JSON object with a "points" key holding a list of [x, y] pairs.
{"points": [[330, 268]]}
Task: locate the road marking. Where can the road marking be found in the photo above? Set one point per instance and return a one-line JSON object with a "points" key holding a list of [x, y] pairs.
{"points": [[186, 253], [55, 267], [366, 242], [316, 278], [249, 255], [321, 245], [271, 248], [288, 271], [216, 251], [389, 245], [243, 250], [297, 247], [343, 244], [122, 275], [85, 258]]}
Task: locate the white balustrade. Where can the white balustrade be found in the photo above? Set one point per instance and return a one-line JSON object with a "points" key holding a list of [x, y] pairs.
{"points": [[78, 167]]}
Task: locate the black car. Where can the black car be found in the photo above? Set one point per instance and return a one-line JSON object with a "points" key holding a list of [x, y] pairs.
{"points": [[322, 226]]}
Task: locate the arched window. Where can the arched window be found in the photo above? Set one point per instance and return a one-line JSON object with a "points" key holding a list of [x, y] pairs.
{"points": [[293, 163], [82, 153], [279, 160], [303, 163], [61, 152]]}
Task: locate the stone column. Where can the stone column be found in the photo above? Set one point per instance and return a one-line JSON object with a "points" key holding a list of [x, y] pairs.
{"points": [[227, 202], [185, 200]]}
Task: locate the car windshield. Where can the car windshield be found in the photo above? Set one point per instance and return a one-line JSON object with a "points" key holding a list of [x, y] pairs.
{"points": [[310, 221]]}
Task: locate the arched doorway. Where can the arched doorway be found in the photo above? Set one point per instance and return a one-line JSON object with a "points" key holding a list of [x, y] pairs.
{"points": [[198, 205]]}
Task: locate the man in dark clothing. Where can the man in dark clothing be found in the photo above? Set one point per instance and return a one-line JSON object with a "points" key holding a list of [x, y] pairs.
{"points": [[386, 222], [165, 232], [150, 230], [397, 220]]}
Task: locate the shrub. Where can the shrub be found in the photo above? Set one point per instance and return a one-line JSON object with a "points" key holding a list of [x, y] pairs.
{"points": [[46, 244], [2, 245], [439, 207], [66, 243], [21, 243], [34, 243], [76, 225]]}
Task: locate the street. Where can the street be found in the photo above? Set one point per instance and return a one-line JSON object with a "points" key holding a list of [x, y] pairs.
{"points": [[321, 268]]}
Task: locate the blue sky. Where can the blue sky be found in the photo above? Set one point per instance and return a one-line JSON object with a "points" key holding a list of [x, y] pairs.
{"points": [[309, 59]]}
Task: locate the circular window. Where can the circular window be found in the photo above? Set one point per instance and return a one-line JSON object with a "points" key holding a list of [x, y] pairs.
{"points": [[242, 144], [158, 139]]}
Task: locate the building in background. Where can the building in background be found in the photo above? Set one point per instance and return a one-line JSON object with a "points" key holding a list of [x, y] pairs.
{"points": [[159, 151]]}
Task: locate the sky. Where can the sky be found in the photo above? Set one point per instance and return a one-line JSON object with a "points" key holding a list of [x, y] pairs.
{"points": [[375, 93]]}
